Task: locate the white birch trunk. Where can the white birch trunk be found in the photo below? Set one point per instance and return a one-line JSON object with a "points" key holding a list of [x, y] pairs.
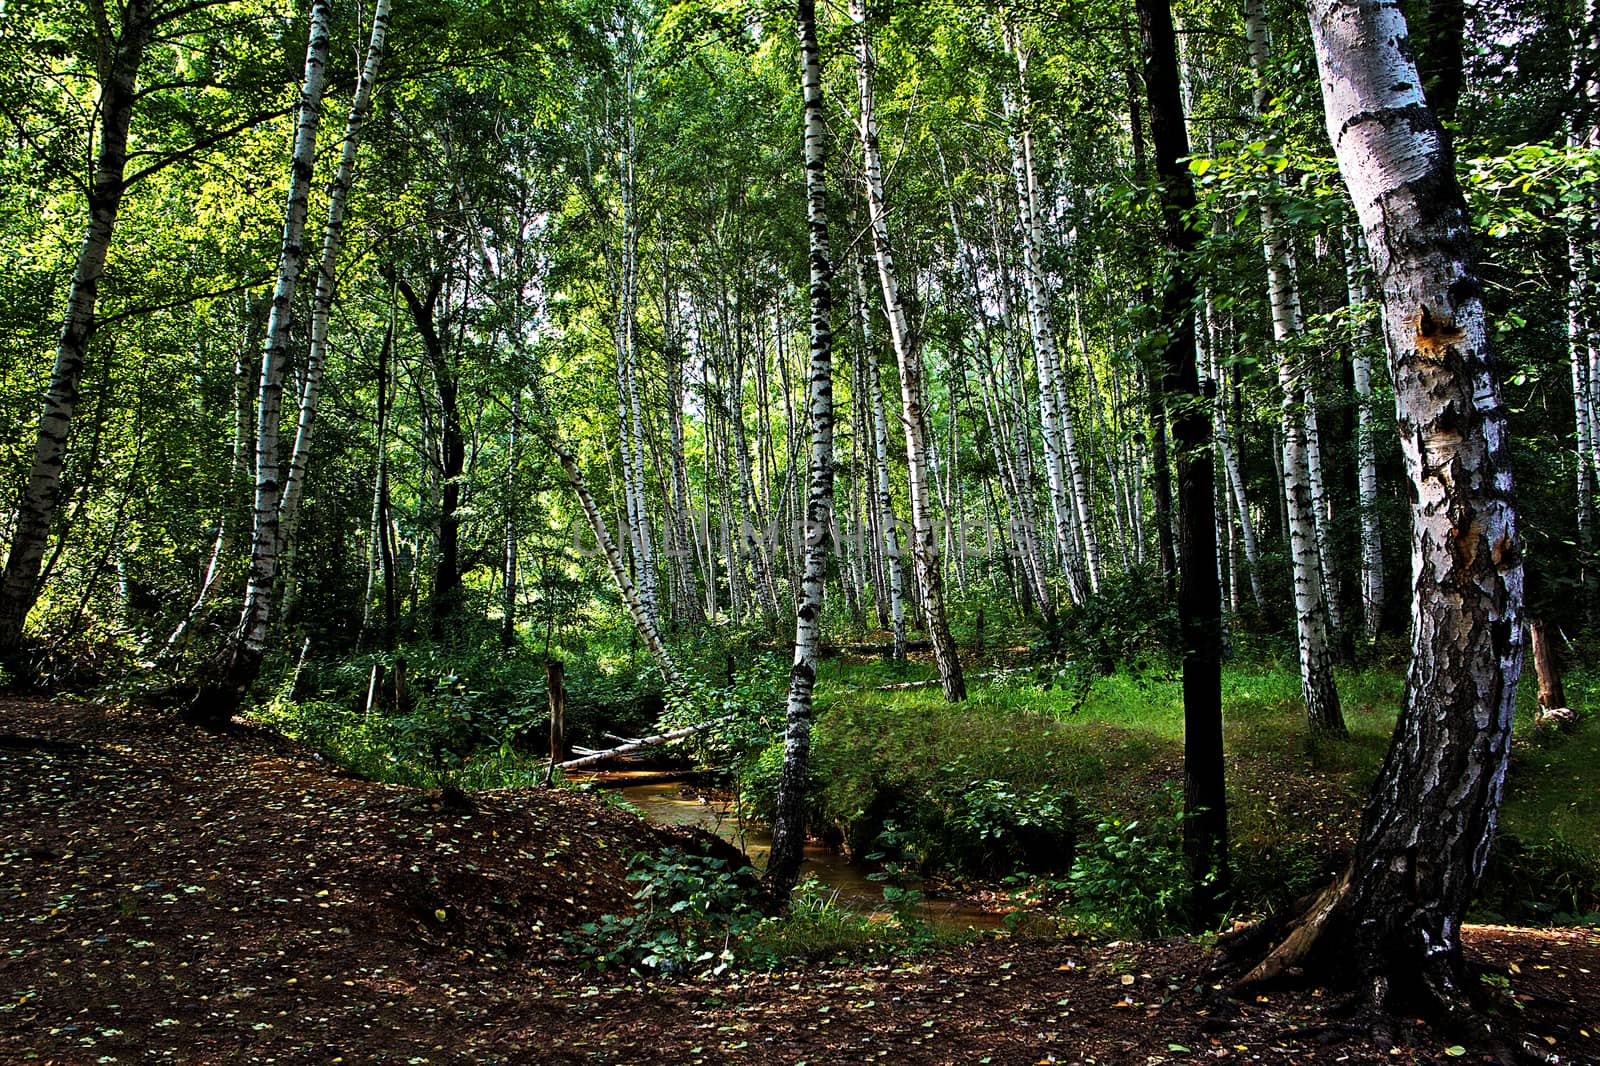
{"points": [[788, 838], [1430, 820], [649, 633], [1311, 609], [322, 302], [250, 639], [924, 545], [1069, 502], [888, 523], [1583, 248], [222, 546], [119, 75], [1372, 591]]}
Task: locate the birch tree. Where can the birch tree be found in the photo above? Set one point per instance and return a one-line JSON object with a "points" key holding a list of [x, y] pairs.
{"points": [[789, 825], [121, 58], [1393, 919], [1069, 489], [882, 494], [219, 699], [924, 543], [1372, 590], [1298, 421], [1583, 292], [327, 269]]}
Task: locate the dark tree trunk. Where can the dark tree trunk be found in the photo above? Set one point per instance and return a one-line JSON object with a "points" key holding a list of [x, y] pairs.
{"points": [[1441, 56], [1199, 594], [452, 456]]}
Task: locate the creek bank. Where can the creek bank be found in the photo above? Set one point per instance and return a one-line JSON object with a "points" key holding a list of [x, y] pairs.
{"points": [[683, 799]]}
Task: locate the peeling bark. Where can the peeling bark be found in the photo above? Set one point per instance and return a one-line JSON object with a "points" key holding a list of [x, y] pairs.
{"points": [[1430, 817]]}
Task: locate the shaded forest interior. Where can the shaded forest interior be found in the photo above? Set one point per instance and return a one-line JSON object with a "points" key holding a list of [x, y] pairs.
{"points": [[1098, 469]]}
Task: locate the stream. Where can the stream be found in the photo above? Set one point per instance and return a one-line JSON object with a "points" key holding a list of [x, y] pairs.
{"points": [[678, 804]]}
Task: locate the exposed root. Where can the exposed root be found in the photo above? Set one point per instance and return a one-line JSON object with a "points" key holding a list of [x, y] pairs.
{"points": [[1303, 936]]}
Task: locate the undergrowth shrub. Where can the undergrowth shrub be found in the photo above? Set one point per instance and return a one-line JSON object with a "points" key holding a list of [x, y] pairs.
{"points": [[1129, 625], [689, 913], [1540, 882], [1131, 875]]}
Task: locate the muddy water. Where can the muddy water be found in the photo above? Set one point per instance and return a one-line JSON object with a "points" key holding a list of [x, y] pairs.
{"points": [[675, 804]]}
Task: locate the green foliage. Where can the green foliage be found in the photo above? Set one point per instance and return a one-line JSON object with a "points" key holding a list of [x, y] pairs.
{"points": [[816, 924], [1130, 625], [689, 913], [753, 703], [1540, 882], [1130, 875], [899, 875]]}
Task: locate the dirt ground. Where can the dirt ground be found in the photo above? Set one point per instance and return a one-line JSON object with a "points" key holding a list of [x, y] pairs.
{"points": [[171, 896]]}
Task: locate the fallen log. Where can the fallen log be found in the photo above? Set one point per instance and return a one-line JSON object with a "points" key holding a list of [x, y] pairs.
{"points": [[829, 650], [635, 745]]}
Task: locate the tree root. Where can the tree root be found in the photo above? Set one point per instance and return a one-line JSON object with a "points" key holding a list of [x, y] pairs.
{"points": [[1295, 932], [1295, 944]]}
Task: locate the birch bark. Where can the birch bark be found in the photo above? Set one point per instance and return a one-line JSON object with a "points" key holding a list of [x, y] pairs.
{"points": [[1583, 296], [1372, 591], [924, 545], [1069, 501], [322, 302], [1430, 817], [888, 523], [788, 836], [218, 701], [119, 75], [1311, 607]]}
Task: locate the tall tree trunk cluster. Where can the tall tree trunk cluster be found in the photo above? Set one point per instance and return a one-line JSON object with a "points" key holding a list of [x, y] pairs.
{"points": [[1395, 915], [277, 497]]}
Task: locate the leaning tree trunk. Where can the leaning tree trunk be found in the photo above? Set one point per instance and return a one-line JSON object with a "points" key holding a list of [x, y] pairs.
{"points": [[884, 495], [789, 825], [924, 544], [322, 301], [1394, 918], [119, 75], [1310, 603], [219, 700], [238, 468], [643, 620], [1205, 837]]}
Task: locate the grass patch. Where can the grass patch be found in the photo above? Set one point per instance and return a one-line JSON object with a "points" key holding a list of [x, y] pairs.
{"points": [[1294, 801]]}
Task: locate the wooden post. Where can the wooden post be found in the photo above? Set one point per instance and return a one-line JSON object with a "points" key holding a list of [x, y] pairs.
{"points": [[555, 689], [977, 633], [375, 688]]}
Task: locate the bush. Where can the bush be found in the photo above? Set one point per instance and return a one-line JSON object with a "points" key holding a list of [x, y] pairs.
{"points": [[689, 912], [1131, 875], [1543, 882], [1130, 625]]}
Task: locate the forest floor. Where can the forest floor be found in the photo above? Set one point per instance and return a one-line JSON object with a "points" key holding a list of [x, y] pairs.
{"points": [[167, 895]]}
